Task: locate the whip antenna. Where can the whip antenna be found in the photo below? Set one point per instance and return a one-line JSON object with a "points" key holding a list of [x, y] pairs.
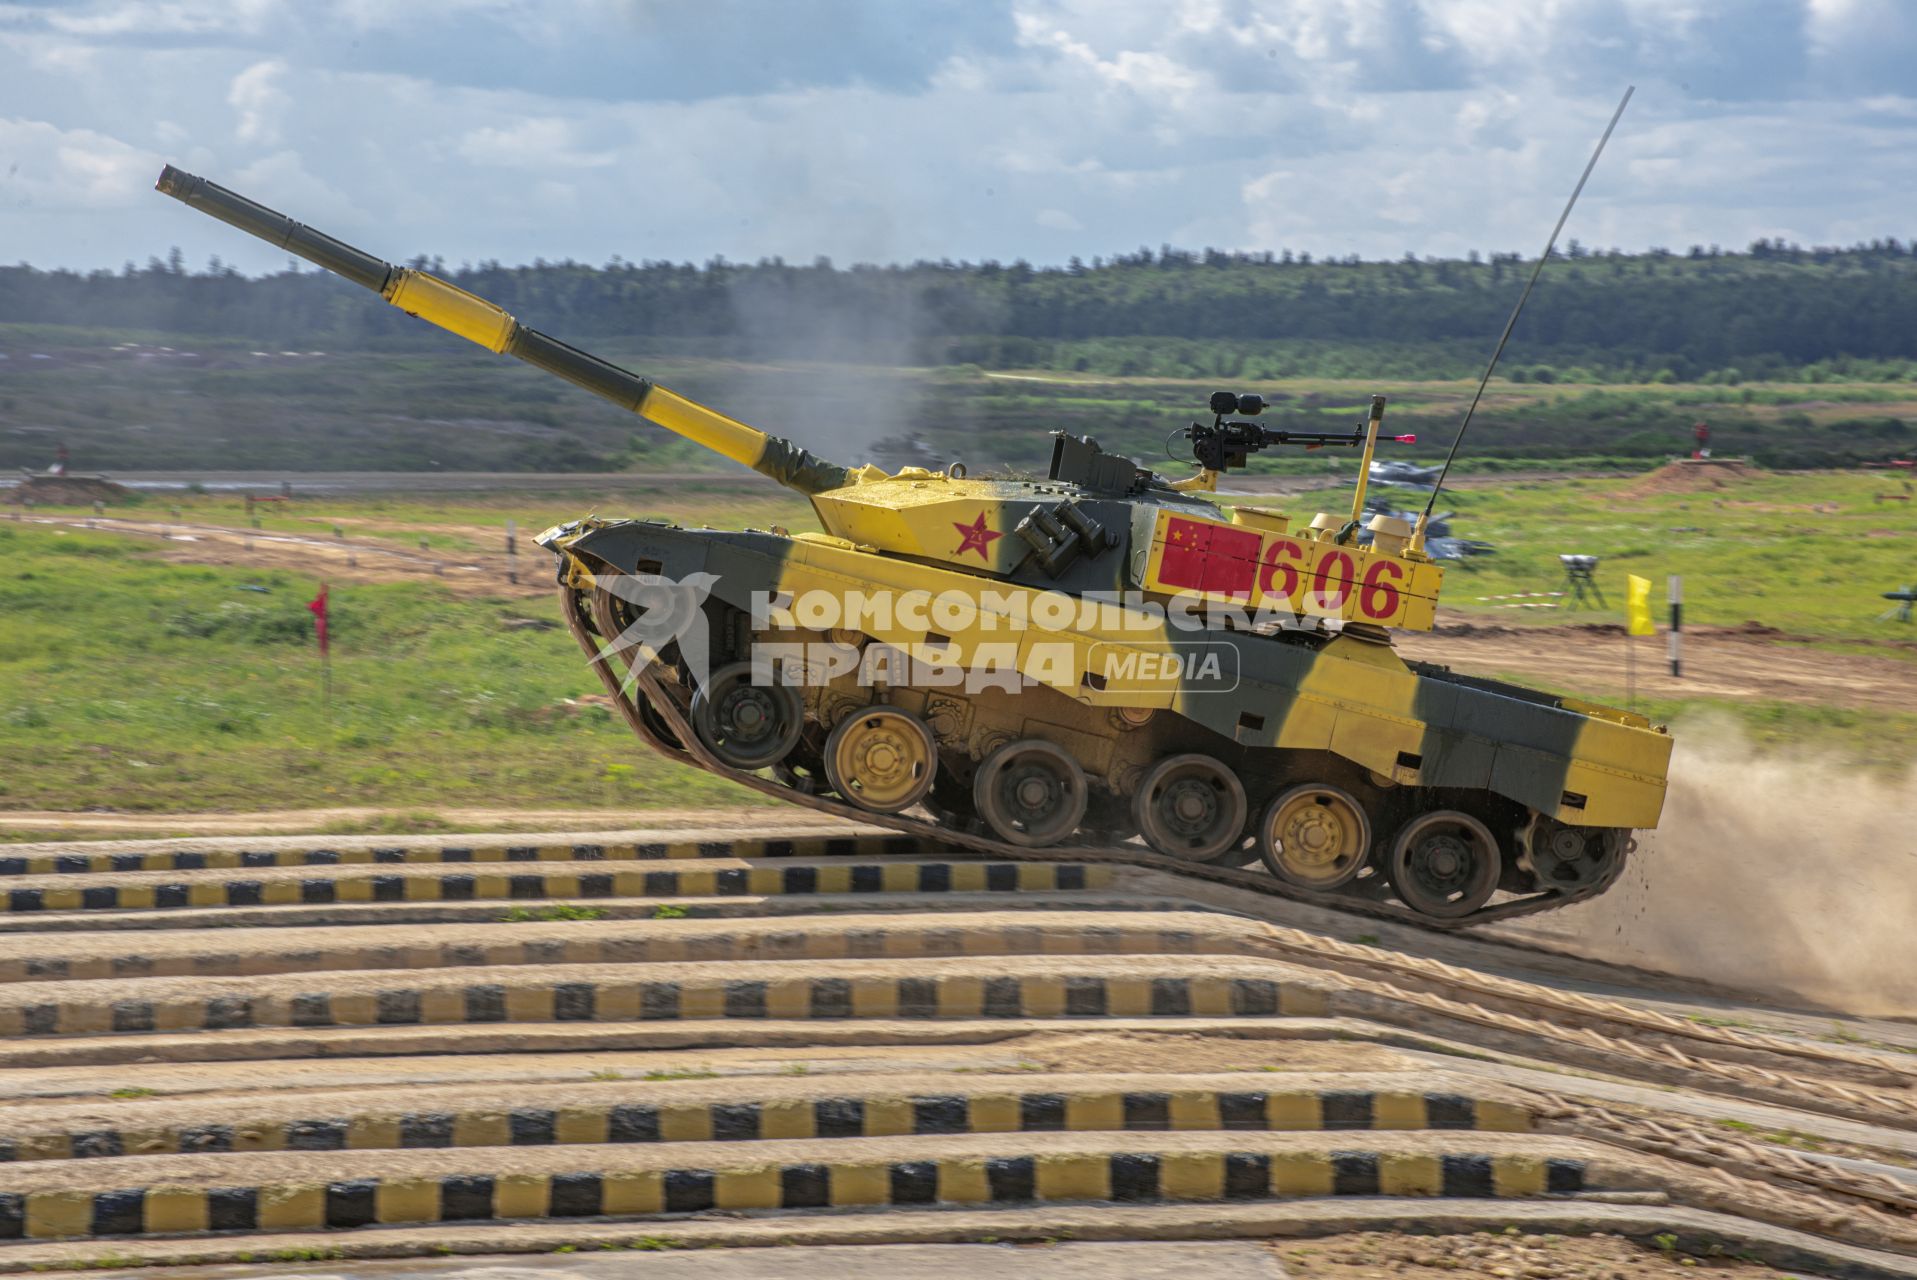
{"points": [[1425, 519]]}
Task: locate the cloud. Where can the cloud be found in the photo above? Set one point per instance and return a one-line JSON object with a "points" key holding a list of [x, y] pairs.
{"points": [[546, 142], [53, 171], [862, 129], [258, 100], [131, 18]]}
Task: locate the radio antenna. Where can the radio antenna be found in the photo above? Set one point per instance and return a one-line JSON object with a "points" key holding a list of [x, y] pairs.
{"points": [[1425, 519]]}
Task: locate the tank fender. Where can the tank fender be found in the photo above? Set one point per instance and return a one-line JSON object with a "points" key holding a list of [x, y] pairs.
{"points": [[742, 563], [643, 547]]}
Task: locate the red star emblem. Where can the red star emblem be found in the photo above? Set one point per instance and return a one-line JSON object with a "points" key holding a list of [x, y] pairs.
{"points": [[977, 537]]}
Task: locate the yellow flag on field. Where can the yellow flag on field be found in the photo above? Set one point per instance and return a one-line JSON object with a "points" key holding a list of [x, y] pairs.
{"points": [[1637, 606]]}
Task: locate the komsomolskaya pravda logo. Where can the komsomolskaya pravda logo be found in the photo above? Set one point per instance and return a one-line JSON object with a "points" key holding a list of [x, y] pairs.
{"points": [[1166, 645]]}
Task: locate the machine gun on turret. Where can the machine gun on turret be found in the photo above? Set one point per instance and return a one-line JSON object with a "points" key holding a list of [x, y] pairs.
{"points": [[1224, 446]]}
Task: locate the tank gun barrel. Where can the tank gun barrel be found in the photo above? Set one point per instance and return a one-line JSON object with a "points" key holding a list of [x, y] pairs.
{"points": [[438, 302]]}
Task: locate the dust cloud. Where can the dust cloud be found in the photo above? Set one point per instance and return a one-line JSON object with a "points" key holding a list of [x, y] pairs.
{"points": [[851, 385], [1779, 875]]}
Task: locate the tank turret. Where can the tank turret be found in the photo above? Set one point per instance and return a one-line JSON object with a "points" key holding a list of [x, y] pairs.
{"points": [[1019, 659]]}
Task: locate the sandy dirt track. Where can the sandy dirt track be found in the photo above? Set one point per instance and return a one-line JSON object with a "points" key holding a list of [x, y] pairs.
{"points": [[530, 1097], [294, 821], [1728, 663]]}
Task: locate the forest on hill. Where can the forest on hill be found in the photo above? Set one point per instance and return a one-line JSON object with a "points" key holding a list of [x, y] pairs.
{"points": [[1772, 312]]}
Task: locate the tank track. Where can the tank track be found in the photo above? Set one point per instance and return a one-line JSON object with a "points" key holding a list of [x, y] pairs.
{"points": [[663, 705]]}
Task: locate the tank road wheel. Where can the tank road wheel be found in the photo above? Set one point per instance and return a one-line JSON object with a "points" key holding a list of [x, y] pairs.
{"points": [[1570, 858], [1190, 807], [881, 759], [1315, 837], [1030, 793], [1444, 864], [749, 726]]}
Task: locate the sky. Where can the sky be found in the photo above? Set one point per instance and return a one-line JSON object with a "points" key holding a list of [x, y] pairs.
{"points": [[895, 130]]}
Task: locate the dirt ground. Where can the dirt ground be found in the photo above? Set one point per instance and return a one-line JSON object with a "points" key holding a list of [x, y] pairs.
{"points": [[1687, 475], [1390, 1256], [63, 490], [1142, 1051], [338, 560], [1728, 663], [365, 821]]}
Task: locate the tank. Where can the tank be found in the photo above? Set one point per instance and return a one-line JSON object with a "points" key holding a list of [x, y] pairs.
{"points": [[1098, 660]]}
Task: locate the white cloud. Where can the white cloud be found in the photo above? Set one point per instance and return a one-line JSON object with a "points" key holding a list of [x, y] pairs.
{"points": [[145, 18], [541, 143], [257, 98], [1066, 127], [51, 171], [1495, 33], [370, 15], [1147, 73], [64, 58]]}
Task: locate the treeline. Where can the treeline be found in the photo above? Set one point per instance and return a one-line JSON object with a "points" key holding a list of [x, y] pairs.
{"points": [[1773, 311]]}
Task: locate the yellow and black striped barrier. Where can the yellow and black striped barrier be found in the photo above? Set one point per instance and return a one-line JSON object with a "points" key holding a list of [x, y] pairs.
{"points": [[279, 1002], [366, 885], [878, 1113], [82, 862], [1136, 1176]]}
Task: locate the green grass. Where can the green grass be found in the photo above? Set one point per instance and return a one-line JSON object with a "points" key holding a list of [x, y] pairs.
{"points": [[132, 684], [412, 823], [1808, 554], [105, 1262]]}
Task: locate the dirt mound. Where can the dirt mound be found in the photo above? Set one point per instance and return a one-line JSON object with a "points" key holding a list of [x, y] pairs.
{"points": [[1691, 475], [65, 491]]}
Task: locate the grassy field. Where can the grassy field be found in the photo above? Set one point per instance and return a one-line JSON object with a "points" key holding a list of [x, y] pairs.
{"points": [[122, 401], [131, 683], [1806, 553]]}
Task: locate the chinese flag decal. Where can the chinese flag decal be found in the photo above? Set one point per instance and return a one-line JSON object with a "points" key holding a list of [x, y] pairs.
{"points": [[976, 537]]}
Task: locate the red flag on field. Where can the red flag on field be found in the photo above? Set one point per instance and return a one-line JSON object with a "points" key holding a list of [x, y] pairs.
{"points": [[318, 606]]}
